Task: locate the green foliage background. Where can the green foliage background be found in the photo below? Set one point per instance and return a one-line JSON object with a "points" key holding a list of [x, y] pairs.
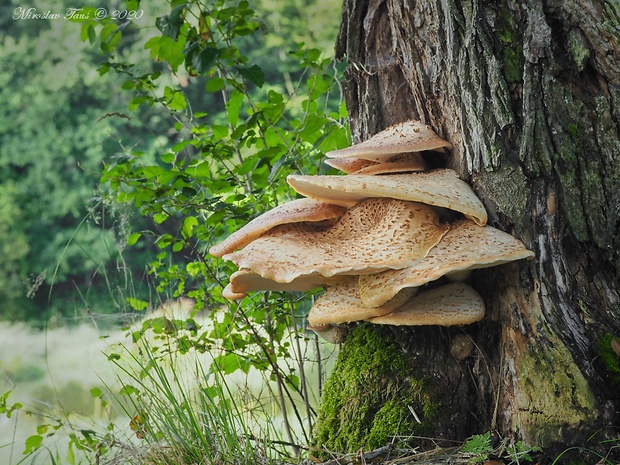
{"points": [[194, 138]]}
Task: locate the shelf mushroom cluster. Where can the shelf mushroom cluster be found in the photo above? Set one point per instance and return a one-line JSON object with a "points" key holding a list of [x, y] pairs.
{"points": [[374, 237]]}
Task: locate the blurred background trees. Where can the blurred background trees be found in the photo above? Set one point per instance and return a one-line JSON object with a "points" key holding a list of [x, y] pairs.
{"points": [[63, 238]]}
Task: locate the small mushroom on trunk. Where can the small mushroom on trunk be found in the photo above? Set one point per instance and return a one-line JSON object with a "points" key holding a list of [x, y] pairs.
{"points": [[403, 164]]}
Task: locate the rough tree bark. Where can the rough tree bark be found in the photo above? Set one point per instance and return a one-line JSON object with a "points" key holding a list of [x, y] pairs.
{"points": [[528, 92]]}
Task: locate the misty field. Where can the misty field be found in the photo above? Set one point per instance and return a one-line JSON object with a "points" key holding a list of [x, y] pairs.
{"points": [[53, 373]]}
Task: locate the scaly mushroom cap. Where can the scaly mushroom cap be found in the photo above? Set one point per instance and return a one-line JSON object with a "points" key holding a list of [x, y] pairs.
{"points": [[400, 164], [349, 165], [246, 281], [290, 212], [466, 246], [410, 136], [341, 303], [375, 235], [452, 304], [442, 188]]}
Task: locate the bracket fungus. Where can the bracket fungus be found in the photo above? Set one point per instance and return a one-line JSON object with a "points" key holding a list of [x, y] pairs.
{"points": [[466, 246], [290, 212], [410, 136], [349, 165], [375, 235], [440, 188], [377, 239], [341, 303], [401, 163], [452, 304]]}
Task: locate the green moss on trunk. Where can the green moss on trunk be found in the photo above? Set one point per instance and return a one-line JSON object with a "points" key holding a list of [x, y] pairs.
{"points": [[610, 359], [370, 394]]}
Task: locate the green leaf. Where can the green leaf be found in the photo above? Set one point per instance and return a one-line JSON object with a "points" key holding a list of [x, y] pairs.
{"points": [[110, 37], [159, 218], [215, 84], [127, 390], [478, 446], [189, 223], [128, 85], [165, 48], [96, 392], [175, 99], [228, 363], [170, 25], [254, 74], [33, 443], [137, 101], [234, 106], [203, 62], [42, 429], [137, 304], [88, 32], [133, 238]]}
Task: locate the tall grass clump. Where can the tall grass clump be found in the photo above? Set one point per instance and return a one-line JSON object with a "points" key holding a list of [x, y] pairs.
{"points": [[183, 415]]}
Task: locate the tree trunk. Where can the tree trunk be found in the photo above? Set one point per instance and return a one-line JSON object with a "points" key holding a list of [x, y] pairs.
{"points": [[528, 93]]}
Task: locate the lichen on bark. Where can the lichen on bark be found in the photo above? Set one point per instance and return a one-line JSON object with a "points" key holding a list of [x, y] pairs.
{"points": [[553, 395], [370, 396]]}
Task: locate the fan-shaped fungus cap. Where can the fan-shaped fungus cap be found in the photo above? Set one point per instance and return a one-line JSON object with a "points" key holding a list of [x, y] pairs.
{"points": [[229, 294], [466, 246], [375, 235], [399, 164], [245, 281], [452, 304], [349, 165], [341, 303], [410, 136], [294, 211], [442, 188]]}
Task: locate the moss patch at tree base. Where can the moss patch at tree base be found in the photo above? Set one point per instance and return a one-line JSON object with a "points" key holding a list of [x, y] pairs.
{"points": [[370, 395], [609, 358]]}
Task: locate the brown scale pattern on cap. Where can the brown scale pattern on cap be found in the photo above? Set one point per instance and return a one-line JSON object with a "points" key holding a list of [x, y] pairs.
{"points": [[400, 164], [349, 165], [441, 188], [376, 235], [410, 136], [466, 246], [294, 211]]}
